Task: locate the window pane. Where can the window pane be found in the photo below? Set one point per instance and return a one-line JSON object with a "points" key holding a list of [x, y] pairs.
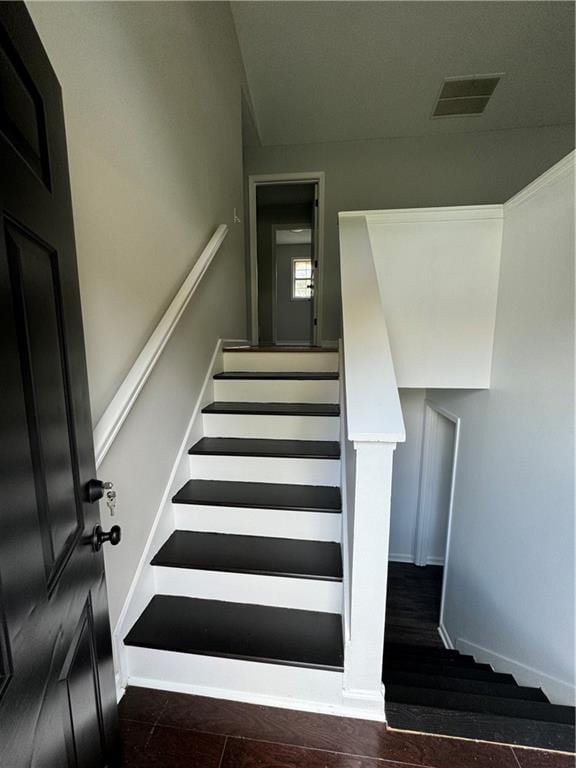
{"points": [[302, 268], [301, 289], [301, 278]]}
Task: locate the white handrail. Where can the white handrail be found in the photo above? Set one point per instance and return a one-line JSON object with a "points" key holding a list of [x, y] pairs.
{"points": [[372, 402], [125, 397]]}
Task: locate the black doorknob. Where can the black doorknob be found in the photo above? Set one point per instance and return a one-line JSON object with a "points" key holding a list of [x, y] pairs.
{"points": [[95, 490], [99, 537]]}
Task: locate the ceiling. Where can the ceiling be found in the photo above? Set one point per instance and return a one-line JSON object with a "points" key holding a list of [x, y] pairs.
{"points": [[340, 71], [293, 236]]}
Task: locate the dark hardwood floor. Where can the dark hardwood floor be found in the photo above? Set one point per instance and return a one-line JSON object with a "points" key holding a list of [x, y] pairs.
{"points": [[413, 604], [173, 730]]}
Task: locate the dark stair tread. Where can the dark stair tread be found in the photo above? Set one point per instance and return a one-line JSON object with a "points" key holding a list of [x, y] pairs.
{"points": [[406, 649], [282, 375], [460, 660], [478, 672], [274, 409], [470, 702], [459, 685], [473, 725], [252, 554], [289, 449], [224, 493], [240, 631], [281, 348]]}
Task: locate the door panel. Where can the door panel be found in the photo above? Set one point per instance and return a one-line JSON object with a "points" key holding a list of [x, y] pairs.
{"points": [[36, 289], [293, 314], [57, 693], [22, 110], [80, 683]]}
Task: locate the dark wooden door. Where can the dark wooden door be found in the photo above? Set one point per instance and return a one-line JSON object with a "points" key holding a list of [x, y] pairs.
{"points": [[57, 698]]}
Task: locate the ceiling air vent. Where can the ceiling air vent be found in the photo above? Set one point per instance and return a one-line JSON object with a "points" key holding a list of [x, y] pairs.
{"points": [[465, 96]]}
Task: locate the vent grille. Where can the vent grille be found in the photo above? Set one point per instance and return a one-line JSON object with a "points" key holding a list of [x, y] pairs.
{"points": [[465, 96]]}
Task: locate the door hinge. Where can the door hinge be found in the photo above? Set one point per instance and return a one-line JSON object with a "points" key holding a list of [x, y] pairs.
{"points": [[315, 321], [316, 264], [316, 203]]}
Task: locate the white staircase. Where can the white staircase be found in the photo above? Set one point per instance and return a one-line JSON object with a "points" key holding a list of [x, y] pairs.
{"points": [[244, 584]]}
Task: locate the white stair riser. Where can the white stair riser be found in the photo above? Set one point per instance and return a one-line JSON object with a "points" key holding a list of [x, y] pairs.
{"points": [[254, 469], [280, 361], [303, 594], [278, 523], [274, 427], [276, 391], [234, 679]]}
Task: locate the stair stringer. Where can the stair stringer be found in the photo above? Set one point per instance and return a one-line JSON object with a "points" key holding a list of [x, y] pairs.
{"points": [[143, 586]]}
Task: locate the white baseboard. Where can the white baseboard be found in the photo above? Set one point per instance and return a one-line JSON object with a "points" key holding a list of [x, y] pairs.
{"points": [[396, 557], [558, 691], [142, 587], [445, 637], [357, 707]]}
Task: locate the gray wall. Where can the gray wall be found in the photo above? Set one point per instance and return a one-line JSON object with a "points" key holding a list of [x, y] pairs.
{"points": [[152, 107], [510, 576], [456, 169]]}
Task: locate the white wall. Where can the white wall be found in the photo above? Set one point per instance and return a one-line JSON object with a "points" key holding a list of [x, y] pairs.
{"points": [[152, 106], [510, 574], [458, 169], [438, 277]]}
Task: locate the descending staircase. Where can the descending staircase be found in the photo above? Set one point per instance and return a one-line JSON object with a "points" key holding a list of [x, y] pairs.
{"points": [[249, 580], [429, 688]]}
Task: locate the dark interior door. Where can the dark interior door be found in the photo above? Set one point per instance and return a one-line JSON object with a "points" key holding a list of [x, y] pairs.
{"points": [[57, 698]]}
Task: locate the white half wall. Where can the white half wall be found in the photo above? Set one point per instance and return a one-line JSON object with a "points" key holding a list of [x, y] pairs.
{"points": [[438, 275], [510, 571]]}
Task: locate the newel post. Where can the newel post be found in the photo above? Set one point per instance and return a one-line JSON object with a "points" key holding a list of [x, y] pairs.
{"points": [[369, 575]]}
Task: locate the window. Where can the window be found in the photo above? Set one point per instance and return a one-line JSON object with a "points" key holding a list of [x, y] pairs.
{"points": [[301, 279]]}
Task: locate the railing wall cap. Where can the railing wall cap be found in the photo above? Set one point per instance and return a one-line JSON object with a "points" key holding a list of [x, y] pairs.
{"points": [[373, 412]]}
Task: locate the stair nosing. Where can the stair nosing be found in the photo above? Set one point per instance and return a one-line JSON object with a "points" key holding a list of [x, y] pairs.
{"points": [[276, 376], [248, 409], [283, 349], [240, 505]]}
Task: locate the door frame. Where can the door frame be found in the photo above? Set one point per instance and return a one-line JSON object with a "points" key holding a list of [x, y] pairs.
{"points": [[311, 177], [431, 412]]}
